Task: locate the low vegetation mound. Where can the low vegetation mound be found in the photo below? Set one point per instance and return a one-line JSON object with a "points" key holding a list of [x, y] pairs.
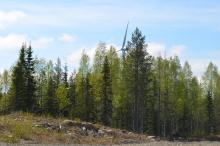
{"points": [[25, 128]]}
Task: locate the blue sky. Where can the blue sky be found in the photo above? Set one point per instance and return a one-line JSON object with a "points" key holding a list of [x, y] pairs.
{"points": [[190, 28]]}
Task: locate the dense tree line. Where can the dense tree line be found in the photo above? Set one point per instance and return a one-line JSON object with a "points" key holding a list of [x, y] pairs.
{"points": [[137, 92]]}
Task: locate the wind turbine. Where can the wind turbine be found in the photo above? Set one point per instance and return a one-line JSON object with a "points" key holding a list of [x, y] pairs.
{"points": [[123, 49]]}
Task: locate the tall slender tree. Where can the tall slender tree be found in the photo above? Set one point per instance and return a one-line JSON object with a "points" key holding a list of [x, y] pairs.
{"points": [[210, 113], [89, 100], [51, 105], [72, 94], [30, 81], [17, 91], [58, 72], [138, 68], [65, 76], [106, 115]]}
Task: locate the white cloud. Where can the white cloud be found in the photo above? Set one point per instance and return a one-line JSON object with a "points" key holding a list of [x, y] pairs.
{"points": [[199, 65], [67, 38], [12, 41], [1, 70], [160, 49], [42, 42], [177, 50], [8, 18], [74, 58], [156, 49]]}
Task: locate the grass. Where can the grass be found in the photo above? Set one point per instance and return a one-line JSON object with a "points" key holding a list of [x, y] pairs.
{"points": [[24, 128], [18, 126], [14, 129]]}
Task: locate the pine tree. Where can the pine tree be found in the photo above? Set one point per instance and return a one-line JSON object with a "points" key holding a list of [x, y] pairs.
{"points": [[138, 70], [106, 115]]}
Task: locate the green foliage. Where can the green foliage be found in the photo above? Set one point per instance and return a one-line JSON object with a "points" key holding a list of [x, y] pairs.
{"points": [[85, 108], [17, 91], [106, 115], [21, 130], [51, 105], [72, 95], [62, 97], [138, 82], [210, 113], [30, 101], [138, 92]]}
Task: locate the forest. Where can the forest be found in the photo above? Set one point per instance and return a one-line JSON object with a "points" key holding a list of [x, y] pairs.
{"points": [[134, 91]]}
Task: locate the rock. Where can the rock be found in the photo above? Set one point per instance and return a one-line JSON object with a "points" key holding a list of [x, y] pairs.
{"points": [[84, 128], [101, 132], [47, 126], [90, 132], [85, 125], [68, 123], [111, 132], [150, 137], [129, 141], [90, 126]]}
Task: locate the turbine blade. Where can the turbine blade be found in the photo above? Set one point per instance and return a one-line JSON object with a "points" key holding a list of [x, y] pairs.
{"points": [[124, 41]]}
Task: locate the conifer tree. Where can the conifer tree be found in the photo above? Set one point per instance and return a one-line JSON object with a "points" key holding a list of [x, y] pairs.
{"points": [[89, 100], [106, 115], [72, 95], [30, 101], [51, 103], [17, 91], [65, 76], [138, 70], [210, 113]]}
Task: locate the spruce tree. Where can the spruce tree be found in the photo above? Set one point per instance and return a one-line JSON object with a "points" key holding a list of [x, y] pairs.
{"points": [[210, 113], [30, 100], [51, 103], [106, 115], [72, 95], [65, 76], [17, 91], [89, 100]]}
